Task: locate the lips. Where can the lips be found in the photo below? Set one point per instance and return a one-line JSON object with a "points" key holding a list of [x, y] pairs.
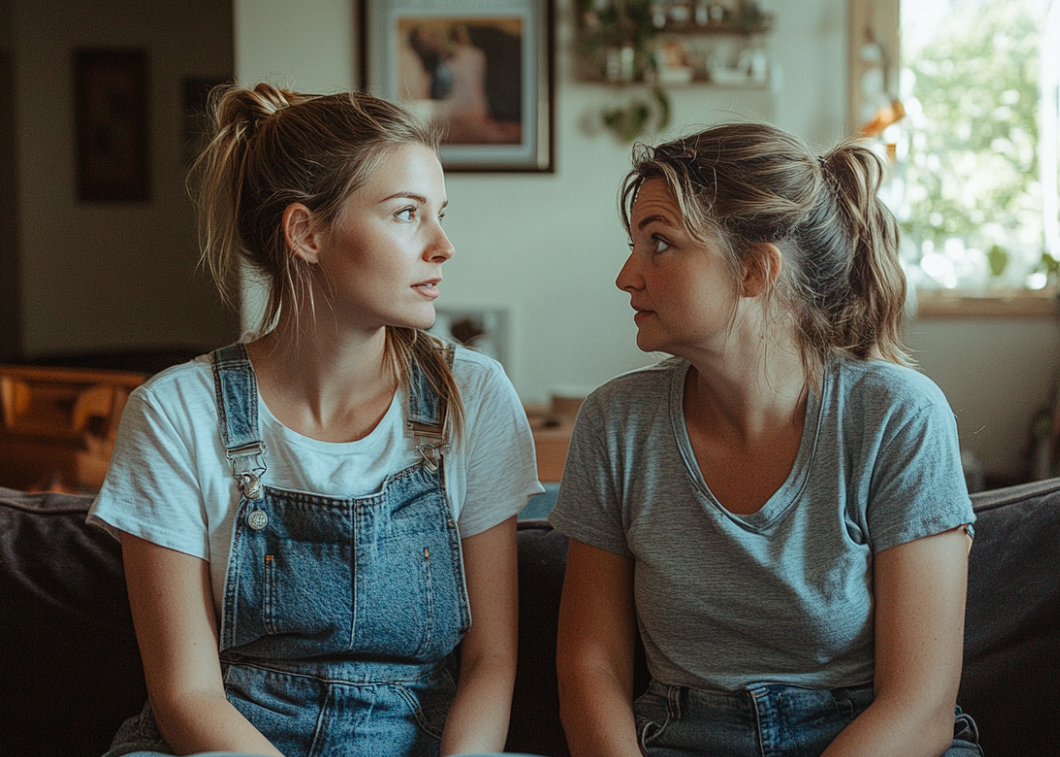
{"points": [[429, 288]]}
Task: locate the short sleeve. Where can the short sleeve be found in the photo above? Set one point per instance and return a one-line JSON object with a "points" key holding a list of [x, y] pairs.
{"points": [[151, 489], [589, 505], [918, 487], [500, 460]]}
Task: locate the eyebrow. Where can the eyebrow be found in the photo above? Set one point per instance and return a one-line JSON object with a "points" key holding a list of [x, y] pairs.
{"points": [[403, 195], [653, 219]]}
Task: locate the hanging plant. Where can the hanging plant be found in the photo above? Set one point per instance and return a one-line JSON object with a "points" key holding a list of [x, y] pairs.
{"points": [[639, 117]]}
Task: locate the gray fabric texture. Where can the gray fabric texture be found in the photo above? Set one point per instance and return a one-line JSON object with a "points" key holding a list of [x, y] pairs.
{"points": [[783, 595]]}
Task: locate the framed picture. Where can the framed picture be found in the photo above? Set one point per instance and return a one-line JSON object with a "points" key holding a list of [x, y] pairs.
{"points": [[111, 124], [480, 69]]}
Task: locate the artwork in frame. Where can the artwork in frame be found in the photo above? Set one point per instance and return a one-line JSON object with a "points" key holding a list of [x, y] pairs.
{"points": [[480, 69], [111, 125]]}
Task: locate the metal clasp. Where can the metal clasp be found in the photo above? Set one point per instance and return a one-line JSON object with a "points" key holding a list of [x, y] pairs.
{"points": [[248, 466]]}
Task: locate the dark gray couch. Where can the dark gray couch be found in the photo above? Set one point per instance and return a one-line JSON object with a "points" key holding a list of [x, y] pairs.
{"points": [[71, 672]]}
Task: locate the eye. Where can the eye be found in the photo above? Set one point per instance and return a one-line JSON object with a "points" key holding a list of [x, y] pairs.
{"points": [[659, 244], [406, 214]]}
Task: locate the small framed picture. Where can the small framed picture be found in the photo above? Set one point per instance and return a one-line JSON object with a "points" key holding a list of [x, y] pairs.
{"points": [[111, 124], [480, 69]]}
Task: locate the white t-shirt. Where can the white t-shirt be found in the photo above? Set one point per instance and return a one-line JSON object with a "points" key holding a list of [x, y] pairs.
{"points": [[169, 481]]}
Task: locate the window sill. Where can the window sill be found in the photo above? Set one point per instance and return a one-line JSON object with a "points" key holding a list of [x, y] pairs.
{"points": [[987, 303]]}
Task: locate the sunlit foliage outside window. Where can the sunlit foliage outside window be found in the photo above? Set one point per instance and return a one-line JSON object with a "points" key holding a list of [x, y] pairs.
{"points": [[968, 185]]}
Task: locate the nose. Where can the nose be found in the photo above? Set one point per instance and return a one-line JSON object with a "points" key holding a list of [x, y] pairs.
{"points": [[440, 249], [629, 277]]}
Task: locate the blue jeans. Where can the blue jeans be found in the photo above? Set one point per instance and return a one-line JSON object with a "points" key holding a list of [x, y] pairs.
{"points": [[765, 721]]}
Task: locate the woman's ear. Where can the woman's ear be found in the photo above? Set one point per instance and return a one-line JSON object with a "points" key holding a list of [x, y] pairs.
{"points": [[300, 233], [760, 269]]}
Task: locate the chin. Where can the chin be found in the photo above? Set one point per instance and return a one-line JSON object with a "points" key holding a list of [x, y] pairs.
{"points": [[421, 321]]}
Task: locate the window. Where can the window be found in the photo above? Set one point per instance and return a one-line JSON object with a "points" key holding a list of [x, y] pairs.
{"points": [[974, 183]]}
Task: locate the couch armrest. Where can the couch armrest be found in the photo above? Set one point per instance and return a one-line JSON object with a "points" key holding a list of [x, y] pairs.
{"points": [[70, 664], [1012, 628]]}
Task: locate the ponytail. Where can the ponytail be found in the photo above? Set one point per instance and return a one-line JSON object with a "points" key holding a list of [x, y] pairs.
{"points": [[868, 324]]}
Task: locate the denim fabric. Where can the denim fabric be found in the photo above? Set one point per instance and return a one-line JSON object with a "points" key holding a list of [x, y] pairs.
{"points": [[764, 721], [339, 616]]}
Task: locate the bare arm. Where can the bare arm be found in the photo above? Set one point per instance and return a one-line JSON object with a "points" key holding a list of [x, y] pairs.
{"points": [[176, 627], [478, 718], [594, 659], [919, 590]]}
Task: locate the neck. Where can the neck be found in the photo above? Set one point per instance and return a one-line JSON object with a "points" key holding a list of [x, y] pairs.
{"points": [[322, 384], [756, 385]]}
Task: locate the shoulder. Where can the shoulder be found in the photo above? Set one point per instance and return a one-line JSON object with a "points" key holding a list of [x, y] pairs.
{"points": [[640, 387], [187, 384], [875, 383], [470, 365]]}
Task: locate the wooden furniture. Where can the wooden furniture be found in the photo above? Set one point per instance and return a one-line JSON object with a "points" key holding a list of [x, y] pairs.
{"points": [[57, 425], [552, 425]]}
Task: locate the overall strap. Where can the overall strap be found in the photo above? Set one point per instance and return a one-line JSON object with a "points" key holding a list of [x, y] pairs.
{"points": [[428, 413], [237, 407]]}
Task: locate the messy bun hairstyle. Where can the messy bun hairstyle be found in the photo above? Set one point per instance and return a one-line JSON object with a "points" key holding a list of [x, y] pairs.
{"points": [[271, 147], [743, 184]]}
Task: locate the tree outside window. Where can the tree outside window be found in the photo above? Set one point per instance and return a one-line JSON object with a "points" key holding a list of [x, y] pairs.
{"points": [[969, 187]]}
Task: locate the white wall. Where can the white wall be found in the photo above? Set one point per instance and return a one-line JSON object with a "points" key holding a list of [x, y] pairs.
{"points": [[549, 246], [997, 375]]}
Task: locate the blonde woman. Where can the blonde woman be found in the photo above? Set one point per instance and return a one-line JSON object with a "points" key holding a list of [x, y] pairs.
{"points": [[314, 520]]}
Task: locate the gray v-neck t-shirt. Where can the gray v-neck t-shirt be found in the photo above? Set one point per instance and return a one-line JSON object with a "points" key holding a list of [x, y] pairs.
{"points": [[784, 595]]}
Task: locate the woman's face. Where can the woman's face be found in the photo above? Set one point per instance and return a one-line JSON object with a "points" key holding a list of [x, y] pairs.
{"points": [[383, 258], [682, 290]]}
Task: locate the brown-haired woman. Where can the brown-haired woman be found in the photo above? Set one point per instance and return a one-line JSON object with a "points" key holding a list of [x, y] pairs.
{"points": [[779, 509], [310, 519]]}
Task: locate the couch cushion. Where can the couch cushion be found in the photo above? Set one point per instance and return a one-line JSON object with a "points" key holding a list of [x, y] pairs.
{"points": [[1012, 632], [70, 665]]}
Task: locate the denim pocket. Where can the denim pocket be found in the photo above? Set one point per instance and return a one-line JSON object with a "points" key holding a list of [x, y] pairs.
{"points": [[652, 716], [429, 699]]}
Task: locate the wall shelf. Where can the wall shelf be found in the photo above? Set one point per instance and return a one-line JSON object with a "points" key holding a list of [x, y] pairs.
{"points": [[672, 43]]}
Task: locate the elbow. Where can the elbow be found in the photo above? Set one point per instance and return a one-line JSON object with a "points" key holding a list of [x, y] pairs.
{"points": [[938, 730]]}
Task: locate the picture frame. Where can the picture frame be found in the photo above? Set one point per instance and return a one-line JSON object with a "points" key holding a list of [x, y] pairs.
{"points": [[480, 69], [110, 113]]}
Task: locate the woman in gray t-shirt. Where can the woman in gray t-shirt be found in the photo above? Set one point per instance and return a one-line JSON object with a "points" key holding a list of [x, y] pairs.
{"points": [[779, 509]]}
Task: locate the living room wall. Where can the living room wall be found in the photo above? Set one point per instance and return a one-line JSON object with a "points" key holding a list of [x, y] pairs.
{"points": [[546, 247], [106, 275]]}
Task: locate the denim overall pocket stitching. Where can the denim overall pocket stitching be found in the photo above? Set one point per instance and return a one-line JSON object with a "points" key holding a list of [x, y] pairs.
{"points": [[434, 730]]}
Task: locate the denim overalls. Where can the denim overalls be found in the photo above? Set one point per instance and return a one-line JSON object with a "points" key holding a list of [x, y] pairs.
{"points": [[339, 615]]}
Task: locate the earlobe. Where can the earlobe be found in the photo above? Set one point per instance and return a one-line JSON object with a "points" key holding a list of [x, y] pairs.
{"points": [[300, 234]]}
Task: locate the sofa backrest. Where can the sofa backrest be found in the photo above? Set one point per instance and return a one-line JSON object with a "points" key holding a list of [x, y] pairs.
{"points": [[71, 672]]}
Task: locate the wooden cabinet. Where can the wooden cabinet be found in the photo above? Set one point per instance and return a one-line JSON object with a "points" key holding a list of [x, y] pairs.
{"points": [[57, 425]]}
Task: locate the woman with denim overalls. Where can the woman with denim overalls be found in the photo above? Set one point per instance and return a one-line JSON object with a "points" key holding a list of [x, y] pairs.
{"points": [[779, 508], [314, 521]]}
